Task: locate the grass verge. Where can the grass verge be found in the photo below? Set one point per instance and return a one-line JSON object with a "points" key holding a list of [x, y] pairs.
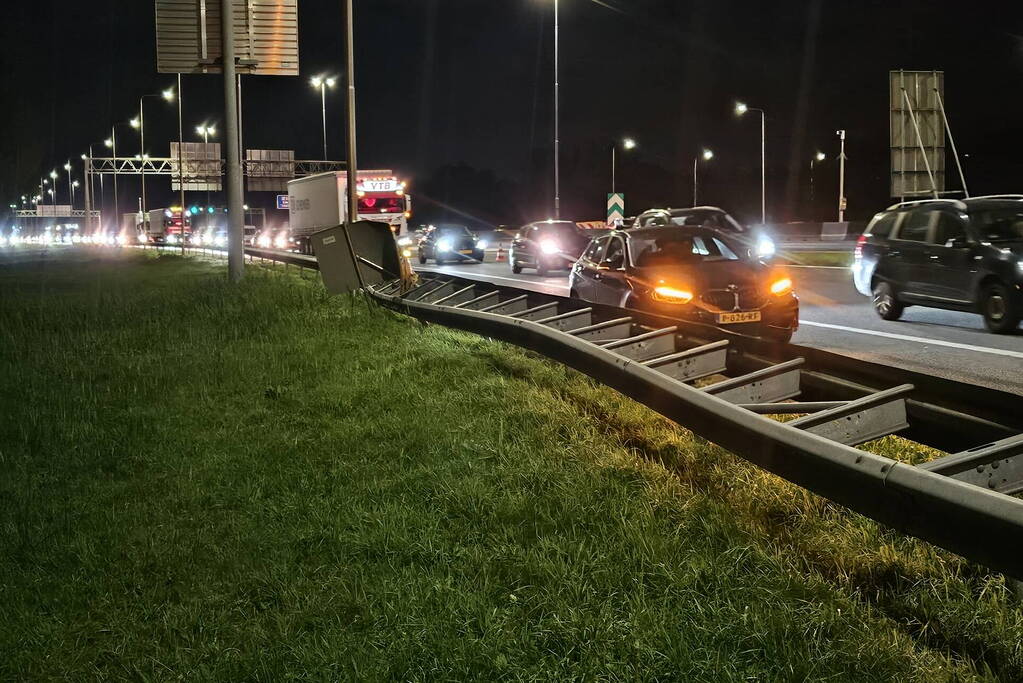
{"points": [[259, 482]]}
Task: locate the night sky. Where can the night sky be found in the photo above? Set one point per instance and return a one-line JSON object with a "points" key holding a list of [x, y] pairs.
{"points": [[456, 95]]}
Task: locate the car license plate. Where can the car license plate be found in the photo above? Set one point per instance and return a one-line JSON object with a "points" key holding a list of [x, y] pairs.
{"points": [[741, 317], [465, 251]]}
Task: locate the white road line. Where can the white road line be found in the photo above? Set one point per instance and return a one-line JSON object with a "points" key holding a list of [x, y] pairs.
{"points": [[919, 340]]}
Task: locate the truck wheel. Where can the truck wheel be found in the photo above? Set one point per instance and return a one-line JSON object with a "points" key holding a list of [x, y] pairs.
{"points": [[1000, 308], [885, 303], [516, 268]]}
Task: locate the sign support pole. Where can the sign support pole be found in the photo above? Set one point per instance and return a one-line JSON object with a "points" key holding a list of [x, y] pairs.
{"points": [[236, 221], [353, 196], [181, 165]]}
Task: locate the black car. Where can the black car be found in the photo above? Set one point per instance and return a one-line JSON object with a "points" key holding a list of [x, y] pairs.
{"points": [[450, 243], [755, 241], [692, 273], [547, 245], [945, 253]]}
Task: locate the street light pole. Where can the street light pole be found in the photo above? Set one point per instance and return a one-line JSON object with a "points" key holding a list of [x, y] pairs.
{"points": [[841, 178], [819, 156], [236, 217], [112, 143], [557, 113], [741, 109], [206, 131], [707, 155], [181, 165], [71, 190]]}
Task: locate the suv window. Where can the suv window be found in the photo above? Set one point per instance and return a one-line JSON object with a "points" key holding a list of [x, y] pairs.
{"points": [[653, 220], [914, 226], [595, 249], [882, 225], [949, 227], [615, 249]]}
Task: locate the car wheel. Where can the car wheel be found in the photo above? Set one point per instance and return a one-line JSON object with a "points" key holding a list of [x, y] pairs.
{"points": [[422, 259], [541, 268], [1000, 308], [439, 260], [885, 303], [516, 267], [478, 255]]}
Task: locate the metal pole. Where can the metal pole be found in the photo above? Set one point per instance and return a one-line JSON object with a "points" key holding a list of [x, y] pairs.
{"points": [[323, 101], [353, 197], [235, 249], [613, 161], [181, 164], [841, 179], [142, 156], [113, 148], [557, 113], [955, 152], [206, 155], [812, 212], [88, 185], [70, 188], [696, 162], [763, 167], [241, 143]]}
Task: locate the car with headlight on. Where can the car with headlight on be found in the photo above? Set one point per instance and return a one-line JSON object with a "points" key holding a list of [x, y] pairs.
{"points": [[958, 255], [691, 273], [446, 243], [757, 242], [546, 246]]}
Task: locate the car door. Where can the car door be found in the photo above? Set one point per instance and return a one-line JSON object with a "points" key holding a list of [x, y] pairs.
{"points": [[905, 259], [586, 270], [949, 268], [612, 286], [519, 249]]}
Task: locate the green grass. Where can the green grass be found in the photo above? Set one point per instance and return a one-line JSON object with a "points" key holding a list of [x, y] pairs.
{"points": [[259, 482], [817, 258]]}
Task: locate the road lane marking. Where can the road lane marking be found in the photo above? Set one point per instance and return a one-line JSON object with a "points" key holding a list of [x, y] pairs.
{"points": [[920, 340]]}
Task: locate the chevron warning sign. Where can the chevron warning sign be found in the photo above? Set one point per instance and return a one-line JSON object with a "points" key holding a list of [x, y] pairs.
{"points": [[616, 209]]}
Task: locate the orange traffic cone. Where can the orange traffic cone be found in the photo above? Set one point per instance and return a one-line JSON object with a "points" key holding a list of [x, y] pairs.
{"points": [[500, 255]]}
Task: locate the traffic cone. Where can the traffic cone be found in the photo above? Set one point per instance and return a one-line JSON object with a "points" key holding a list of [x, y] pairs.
{"points": [[500, 255]]}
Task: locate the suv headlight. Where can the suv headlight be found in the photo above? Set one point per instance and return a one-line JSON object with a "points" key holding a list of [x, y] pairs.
{"points": [[765, 247], [444, 245]]}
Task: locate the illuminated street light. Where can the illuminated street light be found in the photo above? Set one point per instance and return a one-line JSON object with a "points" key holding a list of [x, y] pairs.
{"points": [[740, 110], [168, 94], [323, 82], [627, 144], [135, 123], [206, 131], [706, 155]]}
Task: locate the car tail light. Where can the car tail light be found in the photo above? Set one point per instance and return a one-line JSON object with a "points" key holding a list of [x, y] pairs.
{"points": [[858, 251]]}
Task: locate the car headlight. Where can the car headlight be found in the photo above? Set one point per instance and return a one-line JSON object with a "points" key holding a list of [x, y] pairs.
{"points": [[549, 247], [482, 244], [444, 245], [781, 286], [672, 295], [765, 247], [172, 239]]}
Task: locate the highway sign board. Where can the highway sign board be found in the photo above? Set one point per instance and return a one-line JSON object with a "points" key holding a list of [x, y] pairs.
{"points": [[917, 132], [269, 170], [202, 166], [282, 202], [616, 208], [265, 36]]}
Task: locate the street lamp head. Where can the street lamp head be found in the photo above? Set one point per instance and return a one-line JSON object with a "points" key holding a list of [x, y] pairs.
{"points": [[109, 142], [741, 108], [629, 143], [708, 155], [74, 184], [53, 174], [168, 94], [331, 82], [210, 130], [135, 123], [821, 156], [67, 166], [316, 81], [84, 157]]}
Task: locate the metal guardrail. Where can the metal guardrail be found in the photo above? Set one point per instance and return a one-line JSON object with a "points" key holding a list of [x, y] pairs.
{"points": [[961, 501]]}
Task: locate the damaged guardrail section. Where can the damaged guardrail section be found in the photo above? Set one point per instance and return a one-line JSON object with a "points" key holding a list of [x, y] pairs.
{"points": [[815, 451]]}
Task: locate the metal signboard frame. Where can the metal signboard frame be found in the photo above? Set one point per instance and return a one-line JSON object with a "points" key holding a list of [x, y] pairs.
{"points": [[917, 133], [188, 37], [269, 170], [202, 166]]}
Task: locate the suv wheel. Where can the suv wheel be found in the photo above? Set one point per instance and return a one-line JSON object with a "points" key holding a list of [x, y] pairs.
{"points": [[541, 268], [1000, 309], [885, 303], [516, 268]]}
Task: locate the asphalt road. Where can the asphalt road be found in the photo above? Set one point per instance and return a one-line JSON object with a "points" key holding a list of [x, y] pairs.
{"points": [[835, 317]]}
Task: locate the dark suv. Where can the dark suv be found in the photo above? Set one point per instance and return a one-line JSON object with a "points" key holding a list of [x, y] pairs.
{"points": [[547, 245], [945, 253]]}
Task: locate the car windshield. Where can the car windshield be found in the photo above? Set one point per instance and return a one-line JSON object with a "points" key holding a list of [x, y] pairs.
{"points": [[1000, 225], [454, 231], [705, 218], [678, 248]]}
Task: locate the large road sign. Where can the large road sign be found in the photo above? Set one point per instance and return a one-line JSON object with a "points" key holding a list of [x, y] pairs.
{"points": [[269, 170], [265, 36], [616, 208], [918, 158], [202, 166]]}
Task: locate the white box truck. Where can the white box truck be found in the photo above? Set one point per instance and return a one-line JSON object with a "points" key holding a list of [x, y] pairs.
{"points": [[319, 201]]}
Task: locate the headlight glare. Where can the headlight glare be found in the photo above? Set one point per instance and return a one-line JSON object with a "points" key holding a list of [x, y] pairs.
{"points": [[672, 295], [781, 286]]}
